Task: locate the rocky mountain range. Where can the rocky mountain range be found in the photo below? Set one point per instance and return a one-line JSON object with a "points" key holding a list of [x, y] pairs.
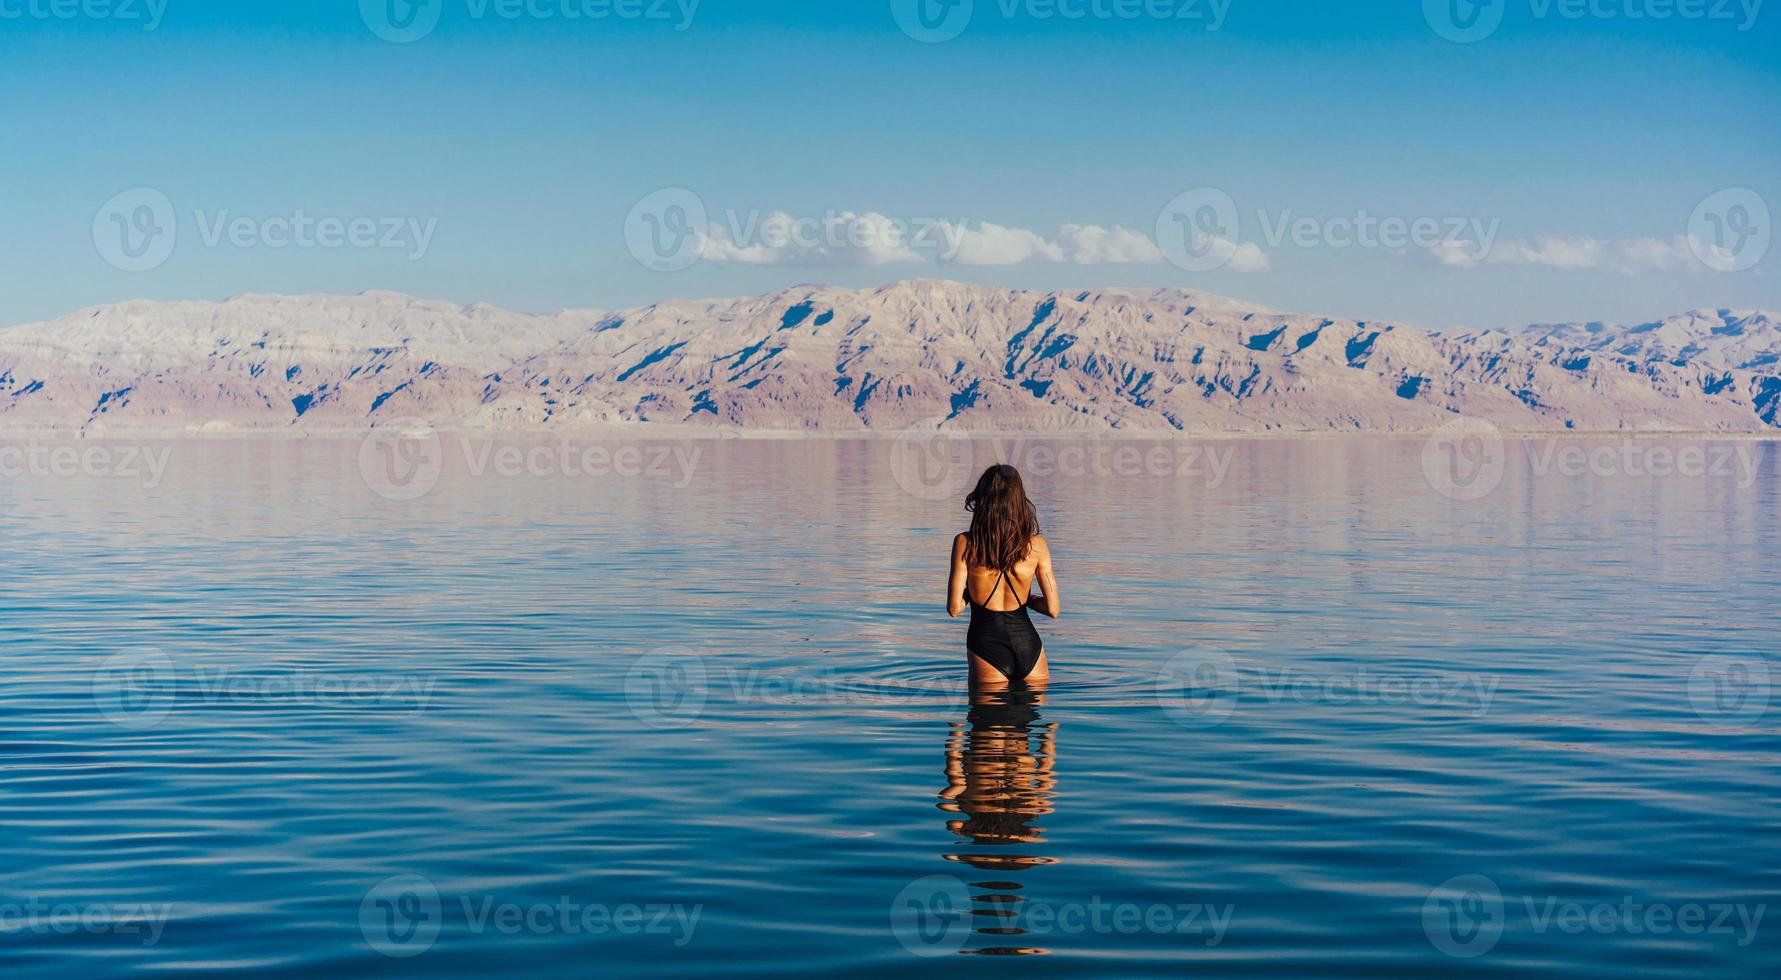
{"points": [[826, 360]]}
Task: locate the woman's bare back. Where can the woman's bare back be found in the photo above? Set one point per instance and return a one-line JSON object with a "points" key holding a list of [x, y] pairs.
{"points": [[1014, 590]]}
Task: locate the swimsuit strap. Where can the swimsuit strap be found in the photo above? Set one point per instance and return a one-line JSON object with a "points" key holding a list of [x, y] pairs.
{"points": [[987, 597], [1000, 581]]}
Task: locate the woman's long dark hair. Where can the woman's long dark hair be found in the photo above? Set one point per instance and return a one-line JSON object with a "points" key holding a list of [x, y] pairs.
{"points": [[1003, 521]]}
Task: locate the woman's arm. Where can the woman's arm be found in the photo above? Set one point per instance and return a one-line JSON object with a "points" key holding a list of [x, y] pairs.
{"points": [[1051, 602], [955, 584]]}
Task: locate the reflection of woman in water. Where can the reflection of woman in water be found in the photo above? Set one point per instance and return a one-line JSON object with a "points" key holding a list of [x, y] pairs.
{"points": [[1002, 558], [1000, 777], [1000, 774]]}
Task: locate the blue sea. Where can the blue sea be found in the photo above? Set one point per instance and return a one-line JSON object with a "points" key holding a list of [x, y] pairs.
{"points": [[1356, 707]]}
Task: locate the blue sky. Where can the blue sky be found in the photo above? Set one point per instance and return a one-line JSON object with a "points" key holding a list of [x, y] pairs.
{"points": [[502, 156]]}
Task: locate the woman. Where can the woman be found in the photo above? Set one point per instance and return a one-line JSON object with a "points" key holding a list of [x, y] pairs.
{"points": [[1001, 559]]}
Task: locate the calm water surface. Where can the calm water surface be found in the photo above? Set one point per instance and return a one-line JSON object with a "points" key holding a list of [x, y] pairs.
{"points": [[1311, 716]]}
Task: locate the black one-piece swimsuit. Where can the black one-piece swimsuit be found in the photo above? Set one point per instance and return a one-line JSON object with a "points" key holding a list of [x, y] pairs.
{"points": [[1006, 641]]}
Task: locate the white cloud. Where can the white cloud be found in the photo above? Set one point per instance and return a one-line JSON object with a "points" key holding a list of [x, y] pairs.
{"points": [[1716, 257], [1628, 255], [844, 239], [1094, 245], [849, 239], [1642, 254], [1456, 255], [1557, 253], [1246, 257], [992, 244]]}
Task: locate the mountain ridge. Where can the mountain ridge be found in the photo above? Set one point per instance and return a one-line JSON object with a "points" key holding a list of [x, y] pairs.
{"points": [[917, 353]]}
